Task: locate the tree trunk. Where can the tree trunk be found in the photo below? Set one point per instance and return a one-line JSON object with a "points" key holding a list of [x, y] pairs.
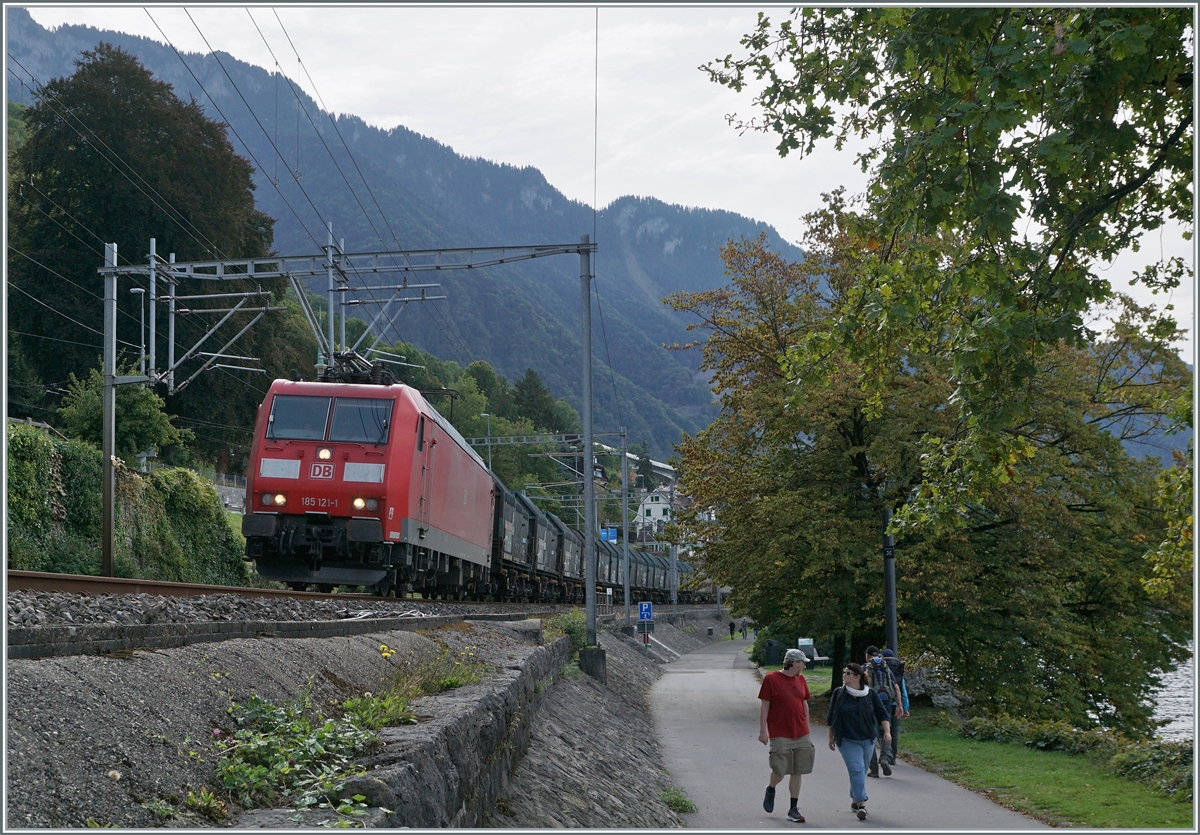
{"points": [[838, 660]]}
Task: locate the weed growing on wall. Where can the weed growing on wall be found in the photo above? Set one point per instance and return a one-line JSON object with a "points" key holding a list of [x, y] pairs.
{"points": [[677, 800], [573, 624], [288, 750]]}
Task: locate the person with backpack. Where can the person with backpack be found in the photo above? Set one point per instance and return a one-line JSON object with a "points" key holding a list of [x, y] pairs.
{"points": [[856, 714], [879, 677], [896, 666]]}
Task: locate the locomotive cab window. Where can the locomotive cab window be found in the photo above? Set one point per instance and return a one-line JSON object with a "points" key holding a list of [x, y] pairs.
{"points": [[298, 418], [361, 420]]}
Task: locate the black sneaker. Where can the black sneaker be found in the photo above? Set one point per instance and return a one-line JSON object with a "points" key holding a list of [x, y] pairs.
{"points": [[794, 815], [887, 769], [873, 773], [769, 799], [860, 810]]}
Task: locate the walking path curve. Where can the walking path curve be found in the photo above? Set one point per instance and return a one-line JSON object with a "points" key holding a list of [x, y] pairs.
{"points": [[705, 710]]}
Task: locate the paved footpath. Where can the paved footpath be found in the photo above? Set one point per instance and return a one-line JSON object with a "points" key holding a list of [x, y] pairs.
{"points": [[705, 710]]}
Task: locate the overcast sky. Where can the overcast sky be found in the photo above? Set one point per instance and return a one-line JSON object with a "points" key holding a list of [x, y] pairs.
{"points": [[604, 104]]}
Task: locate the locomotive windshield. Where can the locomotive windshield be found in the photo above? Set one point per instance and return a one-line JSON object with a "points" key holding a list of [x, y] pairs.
{"points": [[361, 420], [298, 418]]}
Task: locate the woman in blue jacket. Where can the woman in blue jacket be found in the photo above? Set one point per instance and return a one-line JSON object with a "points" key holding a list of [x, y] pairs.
{"points": [[855, 710]]}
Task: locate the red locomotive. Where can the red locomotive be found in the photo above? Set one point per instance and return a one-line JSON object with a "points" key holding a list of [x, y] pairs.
{"points": [[363, 484]]}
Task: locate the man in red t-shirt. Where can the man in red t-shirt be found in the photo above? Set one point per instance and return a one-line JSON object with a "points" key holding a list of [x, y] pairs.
{"points": [[783, 725]]}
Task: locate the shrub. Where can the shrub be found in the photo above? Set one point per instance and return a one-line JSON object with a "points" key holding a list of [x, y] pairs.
{"points": [[169, 525], [573, 624], [1165, 766]]}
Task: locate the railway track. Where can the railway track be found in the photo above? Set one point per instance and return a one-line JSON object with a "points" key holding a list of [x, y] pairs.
{"points": [[91, 585], [85, 584]]}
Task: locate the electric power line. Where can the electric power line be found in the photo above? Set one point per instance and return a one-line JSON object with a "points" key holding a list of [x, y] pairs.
{"points": [[56, 339], [257, 121], [63, 315], [161, 203], [225, 119]]}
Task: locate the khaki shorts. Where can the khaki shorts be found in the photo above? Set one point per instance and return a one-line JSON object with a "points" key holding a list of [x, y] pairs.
{"points": [[792, 756]]}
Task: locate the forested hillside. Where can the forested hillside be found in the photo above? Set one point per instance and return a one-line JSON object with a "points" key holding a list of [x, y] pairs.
{"points": [[422, 194]]}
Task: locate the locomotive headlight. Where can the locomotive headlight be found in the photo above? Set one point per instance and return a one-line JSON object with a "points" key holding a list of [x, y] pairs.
{"points": [[365, 504], [359, 504], [324, 453], [276, 499]]}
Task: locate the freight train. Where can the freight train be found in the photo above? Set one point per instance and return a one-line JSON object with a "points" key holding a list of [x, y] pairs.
{"points": [[355, 480]]}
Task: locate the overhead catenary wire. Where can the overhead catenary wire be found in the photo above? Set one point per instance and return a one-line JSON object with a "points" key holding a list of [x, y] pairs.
{"points": [[225, 119], [57, 339], [257, 121], [449, 331], [612, 372], [63, 315]]}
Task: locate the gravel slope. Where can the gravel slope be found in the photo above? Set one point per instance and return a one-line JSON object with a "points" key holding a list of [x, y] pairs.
{"points": [[122, 740]]}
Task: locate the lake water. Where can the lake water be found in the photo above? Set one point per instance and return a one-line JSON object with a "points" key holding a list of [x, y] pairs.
{"points": [[1177, 703]]}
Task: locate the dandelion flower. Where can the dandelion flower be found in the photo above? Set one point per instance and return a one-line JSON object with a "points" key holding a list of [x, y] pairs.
{"points": [[114, 775]]}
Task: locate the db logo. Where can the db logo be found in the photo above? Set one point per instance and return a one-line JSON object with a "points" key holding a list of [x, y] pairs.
{"points": [[321, 470]]}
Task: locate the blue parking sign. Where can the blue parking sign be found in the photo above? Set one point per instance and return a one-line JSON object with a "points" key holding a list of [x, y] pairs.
{"points": [[646, 610]]}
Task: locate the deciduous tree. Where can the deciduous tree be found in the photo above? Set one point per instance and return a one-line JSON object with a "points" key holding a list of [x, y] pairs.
{"points": [[141, 420], [1033, 602], [1008, 151], [113, 155]]}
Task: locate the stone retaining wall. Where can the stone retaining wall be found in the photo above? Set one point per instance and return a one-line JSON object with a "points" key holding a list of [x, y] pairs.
{"points": [[450, 768]]}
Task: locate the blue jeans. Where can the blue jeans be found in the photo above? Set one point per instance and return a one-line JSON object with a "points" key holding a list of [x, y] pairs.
{"points": [[857, 755]]}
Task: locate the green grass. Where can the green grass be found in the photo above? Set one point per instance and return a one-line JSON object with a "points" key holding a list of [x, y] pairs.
{"points": [[1061, 789], [235, 522]]}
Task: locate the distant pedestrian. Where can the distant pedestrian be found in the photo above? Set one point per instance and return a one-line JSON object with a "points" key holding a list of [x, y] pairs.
{"points": [[855, 714], [896, 666], [783, 726], [879, 677], [745, 631], [732, 629]]}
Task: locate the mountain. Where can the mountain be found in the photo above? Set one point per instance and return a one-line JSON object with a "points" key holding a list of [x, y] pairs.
{"points": [[422, 194]]}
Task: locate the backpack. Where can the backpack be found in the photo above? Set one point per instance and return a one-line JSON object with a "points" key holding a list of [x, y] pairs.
{"points": [[895, 667], [880, 678]]}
